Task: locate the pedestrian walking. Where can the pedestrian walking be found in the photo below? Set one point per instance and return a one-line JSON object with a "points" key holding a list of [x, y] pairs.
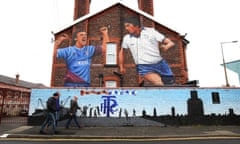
{"points": [[52, 108], [72, 112]]}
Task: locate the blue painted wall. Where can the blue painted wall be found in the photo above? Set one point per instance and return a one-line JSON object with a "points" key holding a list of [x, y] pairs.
{"points": [[163, 99]]}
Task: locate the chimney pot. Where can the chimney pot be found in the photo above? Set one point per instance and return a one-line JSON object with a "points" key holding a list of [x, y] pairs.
{"points": [[17, 78]]}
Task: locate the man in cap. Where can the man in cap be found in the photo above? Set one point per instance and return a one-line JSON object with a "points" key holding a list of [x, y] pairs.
{"points": [[52, 108]]}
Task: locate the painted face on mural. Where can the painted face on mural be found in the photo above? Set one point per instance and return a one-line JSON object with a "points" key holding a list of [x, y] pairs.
{"points": [[134, 30], [81, 39]]}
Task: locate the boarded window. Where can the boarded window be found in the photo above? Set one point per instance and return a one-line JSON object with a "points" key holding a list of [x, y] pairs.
{"points": [[111, 83], [215, 98]]}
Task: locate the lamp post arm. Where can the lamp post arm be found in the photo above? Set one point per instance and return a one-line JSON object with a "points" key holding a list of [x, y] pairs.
{"points": [[224, 64]]}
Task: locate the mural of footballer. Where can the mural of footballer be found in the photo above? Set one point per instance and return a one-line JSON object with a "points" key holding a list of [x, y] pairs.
{"points": [[143, 43], [79, 56]]}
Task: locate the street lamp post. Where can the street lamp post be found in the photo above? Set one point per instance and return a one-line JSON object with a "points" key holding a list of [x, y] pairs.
{"points": [[224, 64]]}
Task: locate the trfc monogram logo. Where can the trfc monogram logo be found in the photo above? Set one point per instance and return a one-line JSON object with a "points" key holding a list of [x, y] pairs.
{"points": [[109, 105]]}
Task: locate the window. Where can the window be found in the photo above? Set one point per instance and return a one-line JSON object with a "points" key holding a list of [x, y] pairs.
{"points": [[111, 54], [111, 83], [215, 98]]}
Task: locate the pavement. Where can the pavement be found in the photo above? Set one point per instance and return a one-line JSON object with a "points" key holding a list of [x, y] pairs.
{"points": [[131, 130]]}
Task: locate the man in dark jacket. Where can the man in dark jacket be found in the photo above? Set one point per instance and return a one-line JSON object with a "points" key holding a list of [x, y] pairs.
{"points": [[73, 109], [52, 108]]}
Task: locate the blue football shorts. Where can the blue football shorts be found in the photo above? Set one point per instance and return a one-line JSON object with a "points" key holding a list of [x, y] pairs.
{"points": [[162, 68]]}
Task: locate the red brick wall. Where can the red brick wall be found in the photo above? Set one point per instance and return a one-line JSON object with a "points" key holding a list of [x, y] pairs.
{"points": [[113, 18], [13, 100]]}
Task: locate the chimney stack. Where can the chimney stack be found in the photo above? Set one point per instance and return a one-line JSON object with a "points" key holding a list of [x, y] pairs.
{"points": [[146, 6], [81, 8], [17, 78]]}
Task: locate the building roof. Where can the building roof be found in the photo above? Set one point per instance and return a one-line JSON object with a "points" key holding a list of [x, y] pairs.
{"points": [[104, 8], [12, 81], [234, 66]]}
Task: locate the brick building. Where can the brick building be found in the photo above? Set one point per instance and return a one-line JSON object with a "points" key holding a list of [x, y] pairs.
{"points": [[103, 73], [15, 96]]}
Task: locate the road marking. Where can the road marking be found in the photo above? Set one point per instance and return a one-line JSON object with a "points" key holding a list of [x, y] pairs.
{"points": [[4, 136], [19, 129], [123, 139]]}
